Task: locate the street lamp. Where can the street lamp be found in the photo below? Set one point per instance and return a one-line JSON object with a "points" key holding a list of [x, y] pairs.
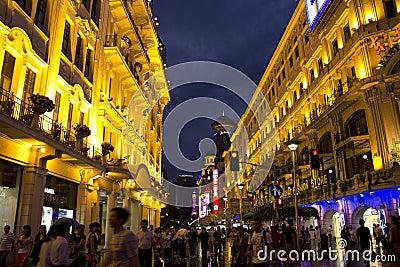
{"points": [[293, 145], [240, 186]]}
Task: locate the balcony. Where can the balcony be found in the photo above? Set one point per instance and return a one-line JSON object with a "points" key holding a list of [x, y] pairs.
{"points": [[118, 55], [17, 120]]}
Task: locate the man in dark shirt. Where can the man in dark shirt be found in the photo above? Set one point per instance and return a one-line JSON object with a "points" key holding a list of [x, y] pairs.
{"points": [[290, 236], [192, 238], [218, 241], [365, 239], [204, 245]]}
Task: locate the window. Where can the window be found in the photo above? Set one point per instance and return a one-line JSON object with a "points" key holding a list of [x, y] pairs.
{"points": [[291, 61], [21, 3], [40, 14], [273, 90], [312, 77], [296, 51], [320, 65], [66, 42], [306, 38], [353, 72], [7, 72], [29, 84], [269, 96], [390, 8], [283, 74], [87, 63], [70, 112], [57, 103], [86, 4], [347, 34], [77, 61], [335, 47], [81, 118], [95, 14], [279, 80]]}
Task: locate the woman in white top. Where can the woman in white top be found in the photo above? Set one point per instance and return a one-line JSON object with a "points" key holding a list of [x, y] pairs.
{"points": [[24, 244], [44, 255]]}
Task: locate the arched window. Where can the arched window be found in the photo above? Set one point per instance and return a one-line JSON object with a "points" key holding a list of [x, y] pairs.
{"points": [[304, 156], [357, 124], [325, 143]]}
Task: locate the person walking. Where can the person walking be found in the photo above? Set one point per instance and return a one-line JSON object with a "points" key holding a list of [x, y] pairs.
{"points": [[204, 246], [123, 243], [60, 251], [240, 248], [352, 237], [6, 244], [193, 242], [78, 250], [146, 244], [37, 244], [364, 238], [44, 255], [24, 245], [92, 244], [167, 245], [257, 243], [217, 241], [314, 245]]}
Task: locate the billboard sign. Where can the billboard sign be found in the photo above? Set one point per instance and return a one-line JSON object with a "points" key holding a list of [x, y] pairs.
{"points": [[315, 9]]}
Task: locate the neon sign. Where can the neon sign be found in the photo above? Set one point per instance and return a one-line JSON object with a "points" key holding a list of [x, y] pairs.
{"points": [[215, 191]]}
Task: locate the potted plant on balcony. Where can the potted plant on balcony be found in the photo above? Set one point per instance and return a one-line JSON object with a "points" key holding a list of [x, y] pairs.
{"points": [[106, 148], [82, 131], [41, 104]]}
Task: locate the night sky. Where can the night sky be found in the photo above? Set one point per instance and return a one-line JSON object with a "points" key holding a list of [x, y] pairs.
{"points": [[239, 33]]}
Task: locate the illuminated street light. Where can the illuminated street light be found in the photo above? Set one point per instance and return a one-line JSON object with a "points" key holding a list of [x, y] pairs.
{"points": [[293, 145]]}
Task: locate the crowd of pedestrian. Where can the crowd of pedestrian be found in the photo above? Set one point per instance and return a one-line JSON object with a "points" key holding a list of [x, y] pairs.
{"points": [[178, 247]]}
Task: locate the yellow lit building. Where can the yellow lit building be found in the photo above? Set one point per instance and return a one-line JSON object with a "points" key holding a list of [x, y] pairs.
{"points": [[89, 57], [333, 84]]}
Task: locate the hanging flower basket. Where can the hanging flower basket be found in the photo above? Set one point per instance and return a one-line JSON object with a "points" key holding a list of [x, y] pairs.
{"points": [[82, 131], [106, 148], [41, 104]]}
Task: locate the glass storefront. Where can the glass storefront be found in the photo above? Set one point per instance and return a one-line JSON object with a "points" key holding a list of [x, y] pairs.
{"points": [[60, 197], [10, 178]]}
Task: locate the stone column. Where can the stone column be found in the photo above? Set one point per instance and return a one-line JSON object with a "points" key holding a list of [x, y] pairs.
{"points": [[31, 197], [110, 205]]}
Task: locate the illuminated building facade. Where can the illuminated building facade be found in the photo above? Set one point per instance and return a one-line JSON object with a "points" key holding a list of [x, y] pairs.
{"points": [[333, 84], [67, 160]]}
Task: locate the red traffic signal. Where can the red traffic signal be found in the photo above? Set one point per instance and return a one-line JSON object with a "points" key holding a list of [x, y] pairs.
{"points": [[314, 157], [234, 161], [279, 201]]}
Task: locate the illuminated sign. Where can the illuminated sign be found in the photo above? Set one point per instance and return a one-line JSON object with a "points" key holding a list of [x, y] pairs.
{"points": [[215, 191], [315, 8], [194, 198], [49, 191]]}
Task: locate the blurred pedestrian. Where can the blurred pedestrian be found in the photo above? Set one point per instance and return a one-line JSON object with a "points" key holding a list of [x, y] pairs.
{"points": [[24, 245], [123, 243], [240, 246], [204, 240], [37, 244], [257, 243], [79, 246], [6, 244], [364, 238]]}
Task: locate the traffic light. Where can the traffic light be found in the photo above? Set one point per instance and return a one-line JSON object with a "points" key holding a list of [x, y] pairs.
{"points": [[234, 161], [279, 202], [314, 156]]}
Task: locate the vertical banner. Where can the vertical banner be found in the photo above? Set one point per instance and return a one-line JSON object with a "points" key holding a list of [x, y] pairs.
{"points": [[246, 205], [215, 191], [194, 199]]}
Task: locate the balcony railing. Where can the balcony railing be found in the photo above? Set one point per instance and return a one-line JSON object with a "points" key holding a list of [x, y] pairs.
{"points": [[22, 112]]}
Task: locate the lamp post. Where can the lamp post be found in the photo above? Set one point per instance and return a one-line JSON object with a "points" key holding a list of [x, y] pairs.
{"points": [[240, 186], [293, 145]]}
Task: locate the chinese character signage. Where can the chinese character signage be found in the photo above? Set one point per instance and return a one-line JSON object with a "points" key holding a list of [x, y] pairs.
{"points": [[215, 191]]}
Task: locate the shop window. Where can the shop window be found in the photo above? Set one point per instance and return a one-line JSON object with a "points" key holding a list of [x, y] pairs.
{"points": [[347, 33], [60, 197], [390, 8], [7, 72], [29, 84], [40, 14], [65, 49]]}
